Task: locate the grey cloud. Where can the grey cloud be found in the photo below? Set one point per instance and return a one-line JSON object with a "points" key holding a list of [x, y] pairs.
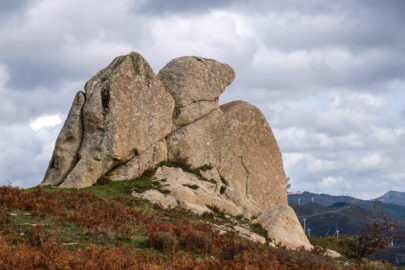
{"points": [[357, 25], [365, 72], [159, 7], [26, 74], [58, 41], [332, 151], [21, 106], [11, 6]]}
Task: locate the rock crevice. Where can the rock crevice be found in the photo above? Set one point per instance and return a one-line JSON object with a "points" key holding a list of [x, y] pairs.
{"points": [[247, 175]]}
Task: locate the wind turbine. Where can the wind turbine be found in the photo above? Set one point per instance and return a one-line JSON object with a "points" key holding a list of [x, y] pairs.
{"points": [[337, 230]]}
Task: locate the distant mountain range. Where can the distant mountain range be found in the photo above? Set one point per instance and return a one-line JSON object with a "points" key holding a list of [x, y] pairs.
{"points": [[298, 198], [325, 214], [394, 197]]}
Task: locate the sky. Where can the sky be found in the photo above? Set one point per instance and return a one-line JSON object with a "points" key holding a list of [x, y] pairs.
{"points": [[328, 75]]}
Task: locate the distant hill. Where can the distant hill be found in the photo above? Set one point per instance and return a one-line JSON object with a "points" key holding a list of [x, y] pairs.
{"points": [[394, 197], [324, 221], [325, 213], [322, 199]]}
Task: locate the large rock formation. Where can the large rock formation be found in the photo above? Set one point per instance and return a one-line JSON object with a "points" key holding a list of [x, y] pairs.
{"points": [[127, 110], [129, 120]]}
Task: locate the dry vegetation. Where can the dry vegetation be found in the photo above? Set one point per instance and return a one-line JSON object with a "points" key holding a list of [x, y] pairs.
{"points": [[103, 227]]}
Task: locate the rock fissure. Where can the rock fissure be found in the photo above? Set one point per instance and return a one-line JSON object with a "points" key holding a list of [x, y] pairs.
{"points": [[247, 175], [206, 100], [105, 98]]}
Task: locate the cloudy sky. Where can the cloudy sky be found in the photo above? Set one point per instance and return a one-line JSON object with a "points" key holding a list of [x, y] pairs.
{"points": [[328, 75]]}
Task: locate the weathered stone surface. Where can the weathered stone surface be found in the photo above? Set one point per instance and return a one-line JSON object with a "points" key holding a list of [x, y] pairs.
{"points": [[241, 231], [65, 153], [237, 140], [198, 209], [250, 157], [189, 79], [192, 112], [197, 142], [157, 197], [127, 110], [188, 188], [211, 174], [136, 166], [249, 206], [332, 253], [249, 235], [283, 227]]}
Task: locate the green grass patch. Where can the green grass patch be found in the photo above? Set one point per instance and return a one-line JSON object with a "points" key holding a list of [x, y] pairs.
{"points": [[222, 190], [191, 186], [258, 229], [223, 180], [332, 242]]}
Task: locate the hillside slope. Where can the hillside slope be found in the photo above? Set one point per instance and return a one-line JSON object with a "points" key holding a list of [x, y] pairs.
{"points": [[104, 227], [393, 197]]}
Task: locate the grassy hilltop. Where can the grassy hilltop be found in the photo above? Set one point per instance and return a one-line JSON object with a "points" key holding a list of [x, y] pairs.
{"points": [[104, 227]]}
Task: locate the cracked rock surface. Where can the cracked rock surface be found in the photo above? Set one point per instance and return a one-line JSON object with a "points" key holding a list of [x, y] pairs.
{"points": [[238, 141], [195, 193]]}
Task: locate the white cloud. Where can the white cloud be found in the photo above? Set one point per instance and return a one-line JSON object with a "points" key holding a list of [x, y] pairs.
{"points": [[385, 136], [290, 159], [45, 121], [25, 153], [331, 181], [370, 162]]}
